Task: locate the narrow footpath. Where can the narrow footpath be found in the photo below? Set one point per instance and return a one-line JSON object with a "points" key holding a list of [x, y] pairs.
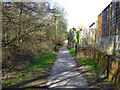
{"points": [[64, 73]]}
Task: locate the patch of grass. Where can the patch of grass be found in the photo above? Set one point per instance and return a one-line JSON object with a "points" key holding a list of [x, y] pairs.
{"points": [[72, 50], [22, 74], [94, 67], [42, 61], [90, 62], [107, 79], [35, 69], [9, 81], [57, 47], [64, 42], [90, 71]]}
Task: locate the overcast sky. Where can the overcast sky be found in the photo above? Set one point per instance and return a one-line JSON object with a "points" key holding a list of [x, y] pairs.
{"points": [[82, 12]]}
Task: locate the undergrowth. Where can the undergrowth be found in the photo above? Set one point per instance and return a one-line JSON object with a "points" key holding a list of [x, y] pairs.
{"points": [[38, 68]]}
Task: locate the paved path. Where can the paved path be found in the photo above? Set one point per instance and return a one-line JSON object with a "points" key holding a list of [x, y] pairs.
{"points": [[63, 74]]}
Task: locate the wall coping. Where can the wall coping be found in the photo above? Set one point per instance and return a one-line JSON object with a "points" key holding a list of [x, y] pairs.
{"points": [[112, 56]]}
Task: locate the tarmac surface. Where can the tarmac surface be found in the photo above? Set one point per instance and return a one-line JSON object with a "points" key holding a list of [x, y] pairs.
{"points": [[64, 73]]}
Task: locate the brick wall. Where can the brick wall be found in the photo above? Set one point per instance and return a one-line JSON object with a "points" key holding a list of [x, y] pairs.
{"points": [[110, 64]]}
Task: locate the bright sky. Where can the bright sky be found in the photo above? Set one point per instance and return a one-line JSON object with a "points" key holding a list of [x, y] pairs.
{"points": [[82, 12]]}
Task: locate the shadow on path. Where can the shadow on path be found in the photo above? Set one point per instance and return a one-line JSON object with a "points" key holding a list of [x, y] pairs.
{"points": [[64, 73]]}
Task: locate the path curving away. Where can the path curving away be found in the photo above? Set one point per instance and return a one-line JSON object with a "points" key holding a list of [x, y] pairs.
{"points": [[63, 74]]}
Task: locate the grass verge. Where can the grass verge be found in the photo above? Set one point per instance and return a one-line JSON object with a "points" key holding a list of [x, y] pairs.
{"points": [[37, 69], [92, 67], [72, 51], [93, 73]]}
